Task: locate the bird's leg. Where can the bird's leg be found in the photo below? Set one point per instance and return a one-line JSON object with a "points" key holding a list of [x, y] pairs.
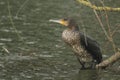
{"points": [[83, 67], [93, 64], [82, 64]]}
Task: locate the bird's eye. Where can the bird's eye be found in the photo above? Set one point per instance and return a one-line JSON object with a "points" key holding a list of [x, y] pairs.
{"points": [[65, 19]]}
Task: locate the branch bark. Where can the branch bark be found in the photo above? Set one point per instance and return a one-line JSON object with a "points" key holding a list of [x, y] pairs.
{"points": [[105, 8], [109, 61]]}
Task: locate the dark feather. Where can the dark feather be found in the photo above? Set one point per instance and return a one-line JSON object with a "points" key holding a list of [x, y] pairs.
{"points": [[91, 46]]}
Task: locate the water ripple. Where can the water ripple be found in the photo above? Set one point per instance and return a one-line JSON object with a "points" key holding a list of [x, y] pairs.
{"points": [[6, 39], [46, 56]]}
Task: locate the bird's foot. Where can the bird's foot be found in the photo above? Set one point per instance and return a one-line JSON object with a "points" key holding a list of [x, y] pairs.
{"points": [[82, 68]]}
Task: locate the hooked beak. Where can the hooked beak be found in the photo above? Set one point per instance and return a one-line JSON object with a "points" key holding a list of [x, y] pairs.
{"points": [[60, 21], [56, 21]]}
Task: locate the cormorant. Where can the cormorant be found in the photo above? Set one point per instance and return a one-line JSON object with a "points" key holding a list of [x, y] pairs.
{"points": [[84, 47]]}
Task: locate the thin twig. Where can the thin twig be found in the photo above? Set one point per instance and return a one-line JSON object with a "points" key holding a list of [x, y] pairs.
{"points": [[101, 24], [115, 30], [21, 7], [109, 30], [11, 20], [107, 20]]}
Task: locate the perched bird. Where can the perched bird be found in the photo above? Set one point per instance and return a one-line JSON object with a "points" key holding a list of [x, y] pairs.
{"points": [[84, 47]]}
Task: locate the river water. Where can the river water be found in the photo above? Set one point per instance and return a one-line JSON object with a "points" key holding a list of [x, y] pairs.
{"points": [[31, 47]]}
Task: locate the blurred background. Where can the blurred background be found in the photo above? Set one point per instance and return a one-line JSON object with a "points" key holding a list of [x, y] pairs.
{"points": [[31, 47]]}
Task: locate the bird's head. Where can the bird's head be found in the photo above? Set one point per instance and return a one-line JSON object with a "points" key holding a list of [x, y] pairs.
{"points": [[68, 22]]}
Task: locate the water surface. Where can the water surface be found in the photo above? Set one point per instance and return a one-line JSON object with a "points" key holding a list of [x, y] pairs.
{"points": [[31, 47]]}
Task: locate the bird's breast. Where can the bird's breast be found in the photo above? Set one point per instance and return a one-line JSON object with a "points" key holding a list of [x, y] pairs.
{"points": [[71, 37]]}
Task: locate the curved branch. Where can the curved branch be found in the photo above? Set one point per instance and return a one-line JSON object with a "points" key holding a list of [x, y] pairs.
{"points": [[109, 61]]}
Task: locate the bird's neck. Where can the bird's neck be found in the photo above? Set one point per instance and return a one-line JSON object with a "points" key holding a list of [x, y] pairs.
{"points": [[73, 28]]}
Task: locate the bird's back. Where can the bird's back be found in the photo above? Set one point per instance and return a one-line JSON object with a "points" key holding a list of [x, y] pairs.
{"points": [[92, 47]]}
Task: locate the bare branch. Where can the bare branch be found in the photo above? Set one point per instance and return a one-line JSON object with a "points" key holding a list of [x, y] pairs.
{"points": [[109, 34], [109, 61], [85, 2]]}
